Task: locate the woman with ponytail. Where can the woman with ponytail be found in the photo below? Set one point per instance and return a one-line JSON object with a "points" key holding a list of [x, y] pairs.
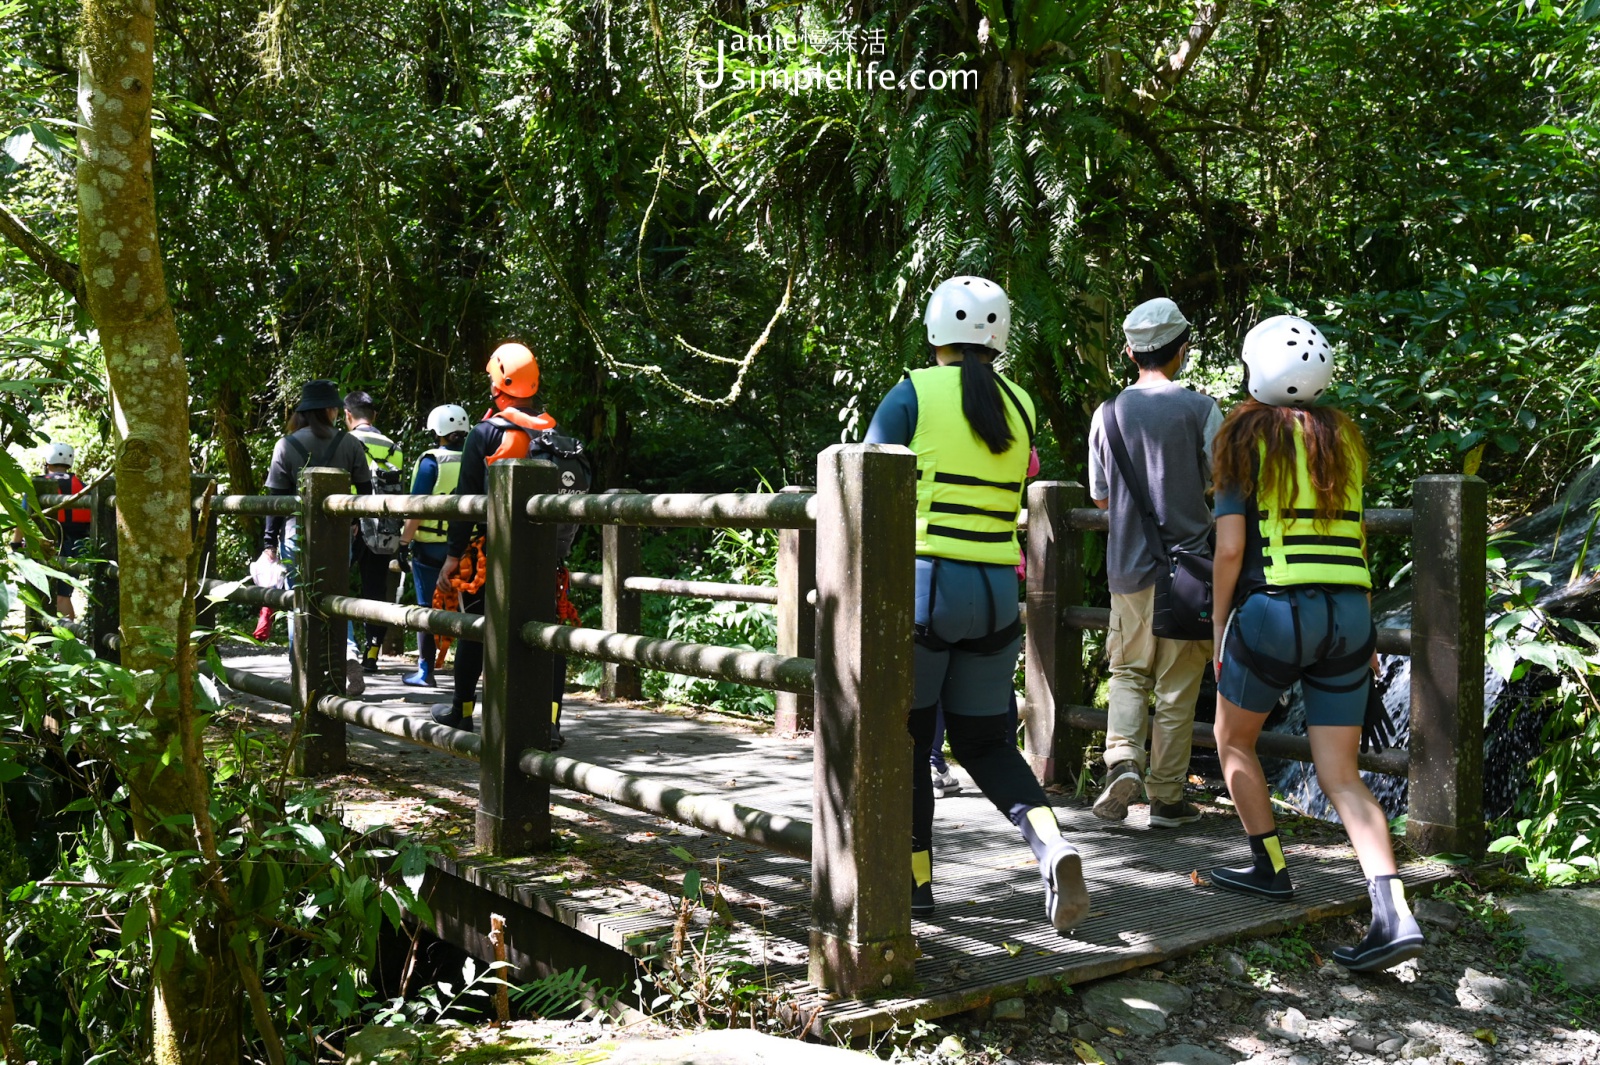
{"points": [[972, 432], [1291, 562]]}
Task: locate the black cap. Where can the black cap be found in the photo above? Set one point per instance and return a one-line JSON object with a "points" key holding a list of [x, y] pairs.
{"points": [[319, 395]]}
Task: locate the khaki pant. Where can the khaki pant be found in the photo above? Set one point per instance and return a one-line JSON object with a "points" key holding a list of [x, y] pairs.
{"points": [[1141, 662]]}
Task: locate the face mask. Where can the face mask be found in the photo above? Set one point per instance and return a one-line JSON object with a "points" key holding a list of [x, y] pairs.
{"points": [[1183, 363]]}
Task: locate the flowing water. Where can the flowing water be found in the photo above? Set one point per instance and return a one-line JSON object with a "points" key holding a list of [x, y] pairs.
{"points": [[1557, 538]]}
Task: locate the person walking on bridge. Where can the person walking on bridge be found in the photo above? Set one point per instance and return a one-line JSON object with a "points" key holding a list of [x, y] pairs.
{"points": [[422, 541], [315, 438], [1150, 453], [375, 548], [972, 431], [1291, 562], [515, 427]]}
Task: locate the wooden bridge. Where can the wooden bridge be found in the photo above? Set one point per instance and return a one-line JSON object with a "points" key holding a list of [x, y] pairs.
{"points": [[806, 835]]}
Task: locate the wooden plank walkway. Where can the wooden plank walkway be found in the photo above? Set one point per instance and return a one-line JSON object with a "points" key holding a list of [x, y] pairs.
{"points": [[612, 875]]}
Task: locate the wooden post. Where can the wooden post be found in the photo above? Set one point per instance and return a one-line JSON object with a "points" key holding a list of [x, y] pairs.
{"points": [[620, 609], [1054, 748], [205, 613], [861, 802], [797, 619], [105, 591], [318, 656], [518, 680], [1449, 522]]}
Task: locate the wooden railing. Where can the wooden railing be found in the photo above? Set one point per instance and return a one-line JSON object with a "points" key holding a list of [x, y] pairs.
{"points": [[843, 663]]}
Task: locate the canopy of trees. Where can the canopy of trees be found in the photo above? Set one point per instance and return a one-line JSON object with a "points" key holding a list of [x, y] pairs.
{"points": [[723, 279]]}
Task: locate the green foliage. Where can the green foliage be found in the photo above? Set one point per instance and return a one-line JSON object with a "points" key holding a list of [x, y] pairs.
{"points": [[1554, 829], [91, 909]]}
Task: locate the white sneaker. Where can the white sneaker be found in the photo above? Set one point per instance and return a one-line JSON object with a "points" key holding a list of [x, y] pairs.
{"points": [[354, 683], [944, 784]]}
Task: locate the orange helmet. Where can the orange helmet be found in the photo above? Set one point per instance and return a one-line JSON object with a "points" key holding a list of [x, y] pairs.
{"points": [[513, 370]]}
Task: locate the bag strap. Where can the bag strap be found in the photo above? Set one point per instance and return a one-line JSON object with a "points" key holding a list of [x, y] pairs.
{"points": [[1135, 482], [305, 452], [1017, 403]]}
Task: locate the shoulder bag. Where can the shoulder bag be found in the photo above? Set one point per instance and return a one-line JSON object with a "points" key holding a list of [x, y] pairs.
{"points": [[1183, 581]]}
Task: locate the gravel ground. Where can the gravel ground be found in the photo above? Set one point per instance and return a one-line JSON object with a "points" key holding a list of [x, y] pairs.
{"points": [[1468, 999]]}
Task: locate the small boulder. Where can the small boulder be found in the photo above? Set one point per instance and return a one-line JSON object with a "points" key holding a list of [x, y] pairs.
{"points": [[1187, 1054], [1490, 989], [1289, 1025], [1560, 927], [1365, 1042], [1413, 1049], [1060, 1021], [1391, 1046], [1438, 913], [1011, 1009], [1232, 963], [1087, 1032], [1138, 1007]]}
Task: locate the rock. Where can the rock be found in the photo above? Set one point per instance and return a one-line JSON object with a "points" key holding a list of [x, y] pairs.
{"points": [[1187, 1054], [1492, 989], [1418, 1048], [1228, 999], [951, 1046], [1438, 913], [1088, 1032], [1301, 1059], [1060, 1021], [1391, 1046], [377, 1045], [1233, 964], [1365, 1042], [1011, 1009], [737, 1046], [1138, 1007], [1289, 1025], [1168, 966], [1560, 927]]}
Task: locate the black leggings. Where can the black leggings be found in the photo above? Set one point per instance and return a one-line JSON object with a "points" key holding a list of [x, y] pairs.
{"points": [[469, 660], [373, 569], [987, 747]]}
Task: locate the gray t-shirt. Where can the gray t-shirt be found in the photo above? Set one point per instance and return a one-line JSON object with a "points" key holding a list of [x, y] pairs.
{"points": [[1168, 432], [287, 462]]}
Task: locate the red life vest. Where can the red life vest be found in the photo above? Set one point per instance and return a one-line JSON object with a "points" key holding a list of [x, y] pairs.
{"points": [[519, 428], [71, 486]]}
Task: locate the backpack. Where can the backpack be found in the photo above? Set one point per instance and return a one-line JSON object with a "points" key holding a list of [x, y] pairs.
{"points": [[577, 474], [382, 535]]}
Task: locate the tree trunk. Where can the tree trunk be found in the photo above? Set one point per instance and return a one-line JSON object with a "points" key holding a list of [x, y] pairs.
{"points": [[195, 1012]]}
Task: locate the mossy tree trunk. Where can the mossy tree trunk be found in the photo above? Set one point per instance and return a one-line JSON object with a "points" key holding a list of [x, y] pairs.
{"points": [[196, 1000]]}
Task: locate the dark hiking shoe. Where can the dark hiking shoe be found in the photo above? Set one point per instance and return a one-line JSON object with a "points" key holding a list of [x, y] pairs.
{"points": [[450, 714], [1122, 784], [1252, 881], [922, 899], [1173, 814]]}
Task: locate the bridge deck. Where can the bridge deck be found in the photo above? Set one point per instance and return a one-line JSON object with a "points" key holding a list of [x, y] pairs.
{"points": [[613, 877]]}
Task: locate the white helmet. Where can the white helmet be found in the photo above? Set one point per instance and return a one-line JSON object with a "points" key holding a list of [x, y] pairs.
{"points": [[968, 310], [58, 454], [1290, 361], [448, 419]]}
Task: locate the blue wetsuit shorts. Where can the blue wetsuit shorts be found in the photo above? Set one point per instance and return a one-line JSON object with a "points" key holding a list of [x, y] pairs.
{"points": [[1321, 636], [962, 607]]}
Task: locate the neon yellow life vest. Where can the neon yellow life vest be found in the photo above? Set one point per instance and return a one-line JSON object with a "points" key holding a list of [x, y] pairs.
{"points": [[436, 530], [1295, 550], [967, 496]]}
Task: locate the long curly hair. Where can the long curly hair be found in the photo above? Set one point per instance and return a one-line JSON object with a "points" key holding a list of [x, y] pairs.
{"points": [[1335, 454]]}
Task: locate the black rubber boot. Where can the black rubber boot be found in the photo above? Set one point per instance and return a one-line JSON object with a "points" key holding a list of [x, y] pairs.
{"points": [[369, 660], [1394, 935], [456, 715], [1267, 876]]}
